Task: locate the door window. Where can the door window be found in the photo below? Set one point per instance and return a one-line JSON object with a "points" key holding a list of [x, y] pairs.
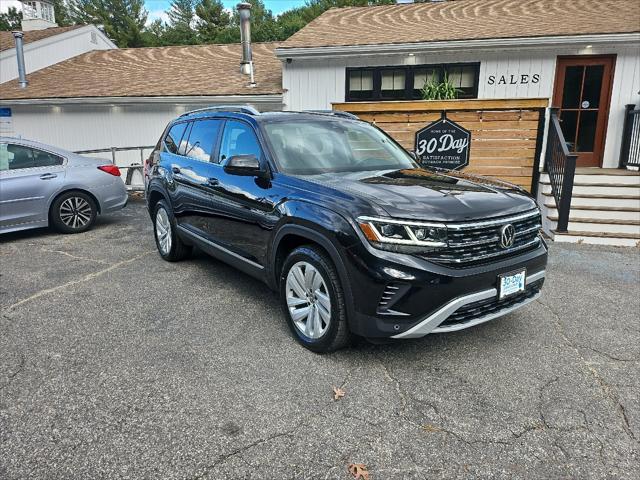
{"points": [[14, 157], [45, 159], [173, 138], [202, 139], [238, 139]]}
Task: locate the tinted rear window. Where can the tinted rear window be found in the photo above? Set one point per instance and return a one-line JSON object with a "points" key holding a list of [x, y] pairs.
{"points": [[172, 140]]}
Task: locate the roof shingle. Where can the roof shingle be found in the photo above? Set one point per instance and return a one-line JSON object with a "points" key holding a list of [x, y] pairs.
{"points": [[466, 20], [150, 72], [7, 41]]}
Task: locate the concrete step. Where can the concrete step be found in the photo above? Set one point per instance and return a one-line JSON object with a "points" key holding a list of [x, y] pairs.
{"points": [[620, 240], [633, 180], [600, 189], [607, 201], [601, 226], [597, 213]]}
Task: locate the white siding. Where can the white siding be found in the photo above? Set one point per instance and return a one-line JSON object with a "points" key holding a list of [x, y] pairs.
{"points": [[51, 50], [316, 83]]}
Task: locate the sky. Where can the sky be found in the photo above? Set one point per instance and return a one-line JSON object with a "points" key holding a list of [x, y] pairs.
{"points": [[156, 8]]}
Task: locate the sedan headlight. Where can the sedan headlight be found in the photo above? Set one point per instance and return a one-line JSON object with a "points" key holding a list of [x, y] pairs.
{"points": [[393, 235]]}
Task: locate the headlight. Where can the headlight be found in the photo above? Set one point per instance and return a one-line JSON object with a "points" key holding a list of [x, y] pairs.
{"points": [[416, 236]]}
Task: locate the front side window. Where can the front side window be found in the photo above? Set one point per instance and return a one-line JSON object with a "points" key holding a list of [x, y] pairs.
{"points": [[316, 147], [174, 137], [202, 139], [238, 139]]}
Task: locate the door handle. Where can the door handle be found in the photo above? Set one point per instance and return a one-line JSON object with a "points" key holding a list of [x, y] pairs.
{"points": [[175, 169], [48, 176], [213, 181]]}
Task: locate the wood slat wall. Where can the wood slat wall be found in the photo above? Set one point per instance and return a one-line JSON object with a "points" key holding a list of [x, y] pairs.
{"points": [[504, 133]]}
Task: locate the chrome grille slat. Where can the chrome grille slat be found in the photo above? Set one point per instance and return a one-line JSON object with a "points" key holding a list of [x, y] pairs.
{"points": [[475, 243]]}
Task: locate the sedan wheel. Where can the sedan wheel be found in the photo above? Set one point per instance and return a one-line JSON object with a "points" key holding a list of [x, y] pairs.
{"points": [[308, 300], [75, 212]]}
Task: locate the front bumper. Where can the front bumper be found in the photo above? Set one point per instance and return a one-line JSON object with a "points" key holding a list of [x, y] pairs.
{"points": [[402, 296]]}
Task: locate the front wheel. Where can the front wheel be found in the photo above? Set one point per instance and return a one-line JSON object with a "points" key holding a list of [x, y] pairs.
{"points": [[170, 245], [313, 300]]}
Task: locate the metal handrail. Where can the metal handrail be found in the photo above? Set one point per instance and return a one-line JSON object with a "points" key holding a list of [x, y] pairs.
{"points": [[630, 148], [561, 167]]}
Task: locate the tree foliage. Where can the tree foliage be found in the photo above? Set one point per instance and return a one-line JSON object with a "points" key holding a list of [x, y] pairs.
{"points": [[11, 19], [123, 20]]}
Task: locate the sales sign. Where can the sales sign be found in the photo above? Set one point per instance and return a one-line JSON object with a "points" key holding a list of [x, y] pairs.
{"points": [[443, 144]]}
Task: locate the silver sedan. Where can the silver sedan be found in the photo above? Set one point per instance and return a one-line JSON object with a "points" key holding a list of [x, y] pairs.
{"points": [[42, 185]]}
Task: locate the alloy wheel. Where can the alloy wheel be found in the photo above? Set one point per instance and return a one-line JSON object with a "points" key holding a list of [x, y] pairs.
{"points": [[75, 212], [163, 231], [308, 300]]}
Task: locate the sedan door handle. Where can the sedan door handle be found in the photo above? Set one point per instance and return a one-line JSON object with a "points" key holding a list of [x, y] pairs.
{"points": [[213, 181], [48, 176], [175, 169]]}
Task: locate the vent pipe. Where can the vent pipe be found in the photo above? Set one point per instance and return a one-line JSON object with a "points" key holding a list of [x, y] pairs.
{"points": [[246, 65], [22, 73]]}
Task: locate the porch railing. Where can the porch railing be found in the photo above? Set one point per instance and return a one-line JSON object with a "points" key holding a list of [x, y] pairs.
{"points": [[630, 149], [561, 167], [131, 169]]}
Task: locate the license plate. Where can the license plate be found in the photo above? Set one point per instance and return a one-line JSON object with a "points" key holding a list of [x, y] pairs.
{"points": [[511, 283]]}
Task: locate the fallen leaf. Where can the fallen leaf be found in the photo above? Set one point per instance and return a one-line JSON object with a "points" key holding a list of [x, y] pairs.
{"points": [[431, 428], [359, 471], [338, 393]]}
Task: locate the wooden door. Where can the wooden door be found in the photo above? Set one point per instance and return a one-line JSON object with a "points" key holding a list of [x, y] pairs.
{"points": [[582, 93]]}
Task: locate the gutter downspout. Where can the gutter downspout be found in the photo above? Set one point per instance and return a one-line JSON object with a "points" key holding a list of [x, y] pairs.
{"points": [[22, 72]]}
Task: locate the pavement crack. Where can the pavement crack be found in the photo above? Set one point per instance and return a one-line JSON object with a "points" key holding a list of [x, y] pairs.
{"points": [[86, 278], [609, 356], [11, 377], [76, 257], [604, 386]]}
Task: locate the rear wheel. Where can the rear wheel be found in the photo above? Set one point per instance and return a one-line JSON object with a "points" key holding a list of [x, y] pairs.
{"points": [[170, 245], [73, 212], [313, 300]]}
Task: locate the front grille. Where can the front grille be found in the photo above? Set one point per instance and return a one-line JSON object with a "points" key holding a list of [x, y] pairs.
{"points": [[488, 306], [477, 243]]}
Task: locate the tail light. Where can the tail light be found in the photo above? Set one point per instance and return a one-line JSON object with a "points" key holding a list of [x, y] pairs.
{"points": [[110, 169]]}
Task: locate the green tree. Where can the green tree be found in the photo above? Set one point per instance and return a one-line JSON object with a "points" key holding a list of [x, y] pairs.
{"points": [[181, 18], [211, 20], [61, 12], [11, 19], [123, 20], [154, 34]]}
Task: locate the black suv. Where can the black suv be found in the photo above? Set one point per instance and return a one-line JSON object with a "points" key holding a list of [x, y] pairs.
{"points": [[338, 218]]}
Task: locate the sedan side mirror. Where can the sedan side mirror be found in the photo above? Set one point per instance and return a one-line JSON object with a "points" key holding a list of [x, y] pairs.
{"points": [[244, 165], [413, 155]]}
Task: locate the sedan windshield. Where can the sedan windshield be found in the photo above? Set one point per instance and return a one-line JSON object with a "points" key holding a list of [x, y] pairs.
{"points": [[312, 147]]}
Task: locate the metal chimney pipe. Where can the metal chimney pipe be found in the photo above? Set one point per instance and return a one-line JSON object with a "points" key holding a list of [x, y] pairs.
{"points": [[22, 72], [246, 65]]}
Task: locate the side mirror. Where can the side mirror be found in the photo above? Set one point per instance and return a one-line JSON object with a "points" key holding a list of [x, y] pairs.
{"points": [[413, 155], [244, 165]]}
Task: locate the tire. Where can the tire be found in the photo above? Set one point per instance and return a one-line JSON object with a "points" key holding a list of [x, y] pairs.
{"points": [[170, 246], [305, 264], [73, 212]]}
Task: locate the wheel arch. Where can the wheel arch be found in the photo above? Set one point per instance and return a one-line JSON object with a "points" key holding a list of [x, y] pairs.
{"points": [[291, 236]]}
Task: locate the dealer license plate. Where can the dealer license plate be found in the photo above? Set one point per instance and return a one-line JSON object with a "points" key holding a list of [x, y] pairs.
{"points": [[511, 283]]}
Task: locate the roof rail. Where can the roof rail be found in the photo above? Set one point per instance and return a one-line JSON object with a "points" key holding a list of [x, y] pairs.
{"points": [[336, 113], [247, 109]]}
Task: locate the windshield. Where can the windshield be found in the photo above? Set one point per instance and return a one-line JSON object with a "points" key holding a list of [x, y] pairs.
{"points": [[312, 147]]}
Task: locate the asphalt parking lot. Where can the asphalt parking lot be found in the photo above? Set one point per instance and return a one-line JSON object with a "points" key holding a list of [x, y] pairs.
{"points": [[115, 364]]}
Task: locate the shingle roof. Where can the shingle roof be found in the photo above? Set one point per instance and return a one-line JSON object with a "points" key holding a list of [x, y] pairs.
{"points": [[465, 20], [155, 71], [7, 42]]}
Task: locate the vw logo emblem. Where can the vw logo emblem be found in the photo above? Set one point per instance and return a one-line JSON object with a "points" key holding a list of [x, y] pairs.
{"points": [[507, 236]]}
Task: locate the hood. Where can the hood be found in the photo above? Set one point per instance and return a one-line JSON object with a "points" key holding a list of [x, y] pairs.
{"points": [[420, 194]]}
